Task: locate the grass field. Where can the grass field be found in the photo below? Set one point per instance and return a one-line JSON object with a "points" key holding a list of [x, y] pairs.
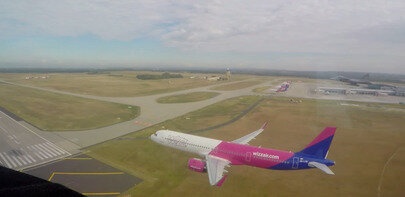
{"points": [[237, 85], [363, 144], [51, 111], [114, 84], [189, 97]]}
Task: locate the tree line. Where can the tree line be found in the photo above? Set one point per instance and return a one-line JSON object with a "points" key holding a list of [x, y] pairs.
{"points": [[165, 75]]}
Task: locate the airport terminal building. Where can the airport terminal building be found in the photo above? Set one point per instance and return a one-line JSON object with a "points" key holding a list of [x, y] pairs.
{"points": [[399, 91]]}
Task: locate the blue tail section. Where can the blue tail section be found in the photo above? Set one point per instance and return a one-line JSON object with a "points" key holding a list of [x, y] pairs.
{"points": [[319, 147]]}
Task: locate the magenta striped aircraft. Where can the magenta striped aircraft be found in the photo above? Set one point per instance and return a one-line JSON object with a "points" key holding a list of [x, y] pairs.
{"points": [[219, 154]]}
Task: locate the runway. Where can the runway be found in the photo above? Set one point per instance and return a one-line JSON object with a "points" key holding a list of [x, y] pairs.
{"points": [[21, 147]]}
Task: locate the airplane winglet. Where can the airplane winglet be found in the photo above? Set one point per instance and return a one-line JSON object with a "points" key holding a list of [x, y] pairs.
{"points": [[264, 125], [219, 184], [245, 139]]}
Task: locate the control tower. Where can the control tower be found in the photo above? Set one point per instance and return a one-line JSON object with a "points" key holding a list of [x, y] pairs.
{"points": [[228, 74]]}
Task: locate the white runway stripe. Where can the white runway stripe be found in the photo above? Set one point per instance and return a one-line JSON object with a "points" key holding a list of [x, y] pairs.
{"points": [[46, 149], [15, 159], [27, 154], [42, 151], [54, 145], [5, 160], [21, 159], [34, 151], [56, 148], [33, 160], [38, 151], [27, 159], [10, 160], [39, 156], [50, 149], [15, 139]]}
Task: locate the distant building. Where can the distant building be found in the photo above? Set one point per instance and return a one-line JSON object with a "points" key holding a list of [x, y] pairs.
{"points": [[400, 91], [327, 90], [36, 77], [221, 77], [333, 90], [213, 78]]}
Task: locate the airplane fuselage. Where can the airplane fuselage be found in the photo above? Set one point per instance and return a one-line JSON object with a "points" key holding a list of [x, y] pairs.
{"points": [[237, 154]]}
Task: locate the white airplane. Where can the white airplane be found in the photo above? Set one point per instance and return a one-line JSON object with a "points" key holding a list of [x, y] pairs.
{"points": [[220, 154]]}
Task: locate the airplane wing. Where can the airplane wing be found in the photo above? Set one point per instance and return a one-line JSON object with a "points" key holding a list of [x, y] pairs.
{"points": [[215, 169], [245, 139]]}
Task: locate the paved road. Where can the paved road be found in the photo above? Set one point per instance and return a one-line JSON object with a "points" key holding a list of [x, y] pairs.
{"points": [[151, 112], [20, 147]]}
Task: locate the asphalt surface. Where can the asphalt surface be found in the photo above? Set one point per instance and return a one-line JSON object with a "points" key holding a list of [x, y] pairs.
{"points": [[151, 112], [86, 175], [24, 146], [21, 147]]}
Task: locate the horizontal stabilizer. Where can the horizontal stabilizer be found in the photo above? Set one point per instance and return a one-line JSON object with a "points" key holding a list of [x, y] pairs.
{"points": [[321, 166]]}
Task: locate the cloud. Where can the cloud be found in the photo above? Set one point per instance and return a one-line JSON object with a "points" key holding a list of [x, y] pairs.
{"points": [[347, 27], [287, 26]]}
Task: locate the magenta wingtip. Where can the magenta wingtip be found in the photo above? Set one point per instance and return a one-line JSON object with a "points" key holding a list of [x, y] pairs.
{"points": [[264, 125]]}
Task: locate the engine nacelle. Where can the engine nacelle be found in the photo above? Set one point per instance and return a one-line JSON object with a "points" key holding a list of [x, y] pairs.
{"points": [[197, 165]]}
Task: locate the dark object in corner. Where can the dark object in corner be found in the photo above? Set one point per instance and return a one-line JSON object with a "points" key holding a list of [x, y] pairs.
{"points": [[13, 183]]}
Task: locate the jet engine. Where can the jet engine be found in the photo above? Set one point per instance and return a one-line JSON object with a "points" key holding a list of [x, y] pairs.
{"points": [[197, 165]]}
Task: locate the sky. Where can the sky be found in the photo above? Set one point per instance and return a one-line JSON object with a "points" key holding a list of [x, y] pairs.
{"points": [[344, 35]]}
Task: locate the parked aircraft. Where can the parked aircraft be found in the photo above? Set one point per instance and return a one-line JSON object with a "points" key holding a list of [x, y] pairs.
{"points": [[219, 154], [283, 87]]}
